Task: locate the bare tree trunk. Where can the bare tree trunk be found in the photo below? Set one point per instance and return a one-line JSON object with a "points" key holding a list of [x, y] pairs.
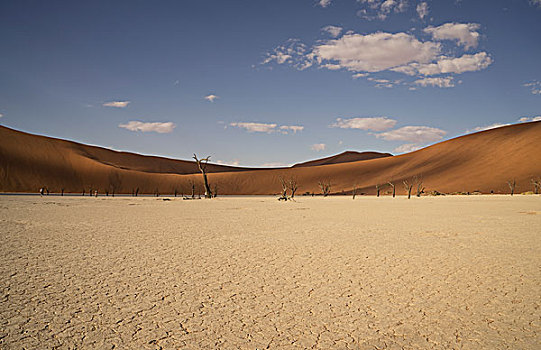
{"points": [[283, 182], [325, 186], [536, 185], [292, 184], [202, 164], [354, 190], [377, 190], [391, 183], [408, 185], [512, 184]]}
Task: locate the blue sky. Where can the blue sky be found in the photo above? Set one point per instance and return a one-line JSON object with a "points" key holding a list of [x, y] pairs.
{"points": [[259, 83]]}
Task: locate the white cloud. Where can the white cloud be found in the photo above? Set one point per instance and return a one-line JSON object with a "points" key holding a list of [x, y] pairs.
{"points": [[333, 31], [324, 3], [117, 104], [159, 127], [415, 134], [446, 65], [406, 148], [318, 147], [535, 86], [211, 97], [465, 33], [359, 75], [499, 125], [233, 163], [381, 51], [487, 127], [376, 52], [268, 127], [374, 124], [445, 82], [274, 165], [285, 129], [422, 9], [293, 52], [1, 115], [255, 127], [380, 9], [530, 119], [535, 2]]}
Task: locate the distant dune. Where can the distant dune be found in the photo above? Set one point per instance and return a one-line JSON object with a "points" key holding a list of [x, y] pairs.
{"points": [[483, 162], [344, 157]]}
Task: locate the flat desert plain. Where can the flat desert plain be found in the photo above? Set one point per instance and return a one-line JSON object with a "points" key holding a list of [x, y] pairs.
{"points": [[454, 272]]}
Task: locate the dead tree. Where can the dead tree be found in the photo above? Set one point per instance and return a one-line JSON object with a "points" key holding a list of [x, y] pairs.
{"points": [[62, 193], [408, 185], [215, 190], [202, 164], [293, 186], [378, 188], [354, 190], [512, 184], [325, 186], [536, 185], [192, 182], [284, 184], [391, 183], [420, 188], [114, 181]]}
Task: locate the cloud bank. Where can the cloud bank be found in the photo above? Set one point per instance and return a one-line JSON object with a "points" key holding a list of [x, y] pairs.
{"points": [[159, 127]]}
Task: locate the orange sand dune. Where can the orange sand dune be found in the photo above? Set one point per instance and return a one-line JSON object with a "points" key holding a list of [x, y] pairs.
{"points": [[344, 157], [483, 161]]}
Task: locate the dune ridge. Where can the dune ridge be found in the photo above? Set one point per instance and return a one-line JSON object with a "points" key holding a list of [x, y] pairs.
{"points": [[483, 162]]}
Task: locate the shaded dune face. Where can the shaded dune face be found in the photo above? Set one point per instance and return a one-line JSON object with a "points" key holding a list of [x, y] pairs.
{"points": [[345, 157], [483, 162]]}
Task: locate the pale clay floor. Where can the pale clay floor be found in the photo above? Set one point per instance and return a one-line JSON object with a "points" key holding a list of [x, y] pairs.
{"points": [[461, 272]]}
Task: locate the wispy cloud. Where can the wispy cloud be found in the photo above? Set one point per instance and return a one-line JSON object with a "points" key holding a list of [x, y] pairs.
{"points": [[406, 148], [117, 104], [232, 163], [415, 134], [256, 127], [318, 147], [499, 125], [268, 127], [333, 31], [445, 82], [159, 127], [465, 34], [535, 3], [324, 3], [285, 129], [534, 86], [1, 115], [422, 10], [374, 124], [274, 165], [380, 9], [211, 98], [293, 53], [530, 119]]}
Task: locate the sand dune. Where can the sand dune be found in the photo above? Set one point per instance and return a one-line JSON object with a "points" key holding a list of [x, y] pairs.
{"points": [[483, 161], [344, 157]]}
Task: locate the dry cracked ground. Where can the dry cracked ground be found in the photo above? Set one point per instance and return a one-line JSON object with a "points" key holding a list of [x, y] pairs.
{"points": [[460, 272]]}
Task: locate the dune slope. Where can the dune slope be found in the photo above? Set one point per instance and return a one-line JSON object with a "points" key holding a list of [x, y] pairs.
{"points": [[483, 161]]}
